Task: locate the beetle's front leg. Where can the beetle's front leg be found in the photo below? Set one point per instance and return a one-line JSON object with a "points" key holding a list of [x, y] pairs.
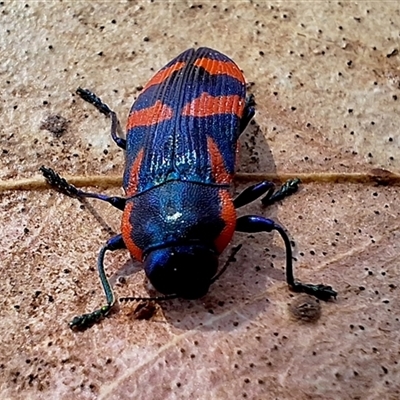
{"points": [[254, 224], [63, 186], [85, 321]]}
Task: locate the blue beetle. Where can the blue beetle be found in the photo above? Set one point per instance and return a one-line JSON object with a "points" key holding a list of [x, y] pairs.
{"points": [[181, 144]]}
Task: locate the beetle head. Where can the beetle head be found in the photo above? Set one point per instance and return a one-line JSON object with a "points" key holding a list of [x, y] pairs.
{"points": [[182, 270]]}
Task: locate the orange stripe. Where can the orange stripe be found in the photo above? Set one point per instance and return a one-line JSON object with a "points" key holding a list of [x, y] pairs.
{"points": [[134, 175], [228, 214], [215, 67], [149, 116], [127, 229], [163, 75], [219, 171], [207, 105]]}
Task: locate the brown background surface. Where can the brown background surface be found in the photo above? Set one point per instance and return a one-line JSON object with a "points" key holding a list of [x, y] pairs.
{"points": [[327, 83]]}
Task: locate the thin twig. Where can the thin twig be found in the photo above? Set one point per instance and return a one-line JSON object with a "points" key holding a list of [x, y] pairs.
{"points": [[375, 176]]}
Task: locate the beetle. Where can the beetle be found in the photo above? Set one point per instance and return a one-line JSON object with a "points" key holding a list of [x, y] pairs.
{"points": [[178, 214]]}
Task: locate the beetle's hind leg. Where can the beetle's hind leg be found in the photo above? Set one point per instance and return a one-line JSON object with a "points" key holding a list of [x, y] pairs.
{"points": [[116, 130], [288, 188], [254, 224], [85, 321], [248, 113], [257, 190], [253, 192], [63, 186]]}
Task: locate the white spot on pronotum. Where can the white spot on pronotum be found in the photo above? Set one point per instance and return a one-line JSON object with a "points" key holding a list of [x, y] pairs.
{"points": [[174, 216]]}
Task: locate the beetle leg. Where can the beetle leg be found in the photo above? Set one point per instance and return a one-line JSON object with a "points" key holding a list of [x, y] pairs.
{"points": [[87, 320], [288, 188], [116, 130], [248, 113], [253, 192], [254, 224], [61, 185], [229, 260]]}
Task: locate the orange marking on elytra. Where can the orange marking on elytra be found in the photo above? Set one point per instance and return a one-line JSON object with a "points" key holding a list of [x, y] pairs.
{"points": [[149, 116], [207, 105], [219, 171], [134, 175], [126, 231], [228, 215], [163, 75], [215, 67]]}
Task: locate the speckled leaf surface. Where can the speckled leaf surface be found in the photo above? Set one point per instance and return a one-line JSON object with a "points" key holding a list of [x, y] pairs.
{"points": [[326, 78]]}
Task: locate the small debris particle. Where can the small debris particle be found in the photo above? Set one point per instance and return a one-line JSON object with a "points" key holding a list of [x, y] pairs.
{"points": [[56, 124], [144, 310], [305, 308], [393, 53]]}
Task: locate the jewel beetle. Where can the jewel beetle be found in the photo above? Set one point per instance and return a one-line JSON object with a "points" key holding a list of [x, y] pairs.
{"points": [[180, 150]]}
